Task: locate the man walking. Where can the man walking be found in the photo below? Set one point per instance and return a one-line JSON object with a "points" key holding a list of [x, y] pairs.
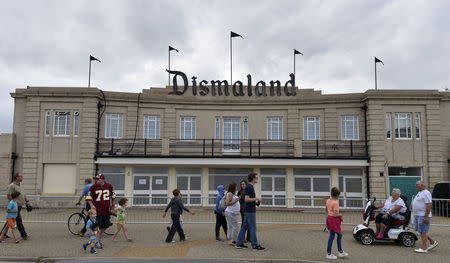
{"points": [[421, 209], [21, 200], [250, 215], [101, 198]]}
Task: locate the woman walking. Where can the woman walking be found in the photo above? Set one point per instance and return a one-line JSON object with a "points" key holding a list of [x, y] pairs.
{"points": [[232, 213], [334, 220], [221, 221]]}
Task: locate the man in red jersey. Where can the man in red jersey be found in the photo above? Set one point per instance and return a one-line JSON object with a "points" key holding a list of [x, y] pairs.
{"points": [[101, 198]]}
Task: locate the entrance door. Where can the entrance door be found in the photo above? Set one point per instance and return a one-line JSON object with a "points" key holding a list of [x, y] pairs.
{"points": [[405, 179], [231, 135], [150, 186]]}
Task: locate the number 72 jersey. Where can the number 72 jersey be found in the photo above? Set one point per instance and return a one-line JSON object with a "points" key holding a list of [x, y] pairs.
{"points": [[102, 198]]}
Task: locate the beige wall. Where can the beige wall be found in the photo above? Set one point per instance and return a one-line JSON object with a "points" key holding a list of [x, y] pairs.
{"points": [[7, 147], [35, 149]]}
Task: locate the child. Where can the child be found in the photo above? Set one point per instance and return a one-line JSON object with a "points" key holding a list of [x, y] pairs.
{"points": [[11, 214], [334, 219], [177, 207], [120, 220], [91, 227]]}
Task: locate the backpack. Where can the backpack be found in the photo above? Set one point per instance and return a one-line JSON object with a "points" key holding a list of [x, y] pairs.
{"points": [[223, 203]]}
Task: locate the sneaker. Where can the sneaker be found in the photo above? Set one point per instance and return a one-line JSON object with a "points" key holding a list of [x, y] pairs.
{"points": [[99, 245], [93, 251], [342, 254], [419, 250], [26, 237], [331, 256], [241, 246], [259, 248], [233, 243], [85, 246], [219, 239], [173, 241], [435, 244]]}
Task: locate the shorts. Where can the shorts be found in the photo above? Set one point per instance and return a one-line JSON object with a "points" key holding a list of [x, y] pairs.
{"points": [[11, 222], [92, 239], [420, 226], [385, 221], [103, 221]]}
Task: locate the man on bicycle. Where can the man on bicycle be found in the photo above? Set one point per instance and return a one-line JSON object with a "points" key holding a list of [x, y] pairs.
{"points": [[87, 185], [101, 198]]}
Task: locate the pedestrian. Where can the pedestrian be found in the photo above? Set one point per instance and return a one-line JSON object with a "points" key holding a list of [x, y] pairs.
{"points": [[12, 211], [221, 221], [250, 215], [232, 213], [92, 230], [120, 219], [21, 200], [84, 192], [241, 194], [176, 206], [334, 220], [421, 210], [101, 198]]}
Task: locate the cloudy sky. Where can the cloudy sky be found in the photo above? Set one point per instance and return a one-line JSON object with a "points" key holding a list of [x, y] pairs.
{"points": [[47, 43]]}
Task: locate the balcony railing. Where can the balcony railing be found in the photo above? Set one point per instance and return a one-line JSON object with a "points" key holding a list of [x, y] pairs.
{"points": [[252, 148]]}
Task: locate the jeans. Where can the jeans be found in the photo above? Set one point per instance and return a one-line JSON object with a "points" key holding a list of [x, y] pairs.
{"points": [[249, 224], [233, 225], [176, 227], [221, 221], [331, 239], [242, 223]]}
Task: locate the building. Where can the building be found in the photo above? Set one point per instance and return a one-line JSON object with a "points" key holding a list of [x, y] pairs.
{"points": [[300, 141]]}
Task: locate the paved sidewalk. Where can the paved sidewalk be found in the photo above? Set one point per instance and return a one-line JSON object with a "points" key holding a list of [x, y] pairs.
{"points": [[289, 242]]}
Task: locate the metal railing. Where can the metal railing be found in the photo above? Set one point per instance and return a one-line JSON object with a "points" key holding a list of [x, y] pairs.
{"points": [[129, 147], [57, 209], [334, 149]]}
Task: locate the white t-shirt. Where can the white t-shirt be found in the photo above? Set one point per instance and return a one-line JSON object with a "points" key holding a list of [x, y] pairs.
{"points": [[419, 203], [389, 205], [236, 208]]}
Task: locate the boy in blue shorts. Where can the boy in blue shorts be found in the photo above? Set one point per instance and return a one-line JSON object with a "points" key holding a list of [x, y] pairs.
{"points": [[91, 228]]}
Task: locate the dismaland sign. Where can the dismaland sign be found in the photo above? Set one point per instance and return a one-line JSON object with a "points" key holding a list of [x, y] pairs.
{"points": [[222, 88]]}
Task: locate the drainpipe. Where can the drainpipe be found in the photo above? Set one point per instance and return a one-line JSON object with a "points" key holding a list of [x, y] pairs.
{"points": [[14, 157], [99, 106], [366, 142]]}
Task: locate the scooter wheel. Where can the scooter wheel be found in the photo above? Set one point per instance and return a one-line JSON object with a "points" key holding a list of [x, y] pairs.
{"points": [[407, 239], [366, 238]]}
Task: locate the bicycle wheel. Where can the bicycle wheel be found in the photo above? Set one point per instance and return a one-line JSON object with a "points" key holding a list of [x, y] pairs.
{"points": [[76, 223]]}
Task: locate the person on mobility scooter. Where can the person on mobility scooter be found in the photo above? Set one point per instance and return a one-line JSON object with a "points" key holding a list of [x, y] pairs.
{"points": [[393, 229], [392, 213]]}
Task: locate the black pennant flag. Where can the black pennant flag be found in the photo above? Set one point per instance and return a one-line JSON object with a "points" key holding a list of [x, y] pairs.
{"points": [[378, 60], [92, 58], [297, 52], [172, 48], [235, 34]]}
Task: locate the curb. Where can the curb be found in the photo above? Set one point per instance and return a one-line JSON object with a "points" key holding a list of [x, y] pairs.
{"points": [[21, 259]]}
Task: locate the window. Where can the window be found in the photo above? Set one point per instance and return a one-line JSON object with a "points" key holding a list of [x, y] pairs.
{"points": [[311, 128], [115, 175], [189, 182], [76, 123], [312, 186], [417, 125], [224, 176], [273, 186], [151, 127], [187, 128], [231, 133], [48, 123], [217, 130], [403, 129], [388, 125], [275, 128], [350, 127], [245, 129], [351, 186], [150, 185], [61, 126], [113, 128]]}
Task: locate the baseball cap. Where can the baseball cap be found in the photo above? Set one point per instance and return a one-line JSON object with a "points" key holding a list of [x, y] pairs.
{"points": [[99, 176]]}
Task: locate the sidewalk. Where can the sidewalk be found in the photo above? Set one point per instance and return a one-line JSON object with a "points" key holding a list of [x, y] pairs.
{"points": [[290, 242]]}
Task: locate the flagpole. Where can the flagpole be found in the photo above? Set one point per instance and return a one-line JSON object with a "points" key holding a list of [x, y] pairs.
{"points": [[295, 77], [89, 79], [169, 68], [376, 88], [231, 60]]}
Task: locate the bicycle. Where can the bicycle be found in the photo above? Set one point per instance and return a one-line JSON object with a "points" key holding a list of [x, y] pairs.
{"points": [[78, 220]]}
